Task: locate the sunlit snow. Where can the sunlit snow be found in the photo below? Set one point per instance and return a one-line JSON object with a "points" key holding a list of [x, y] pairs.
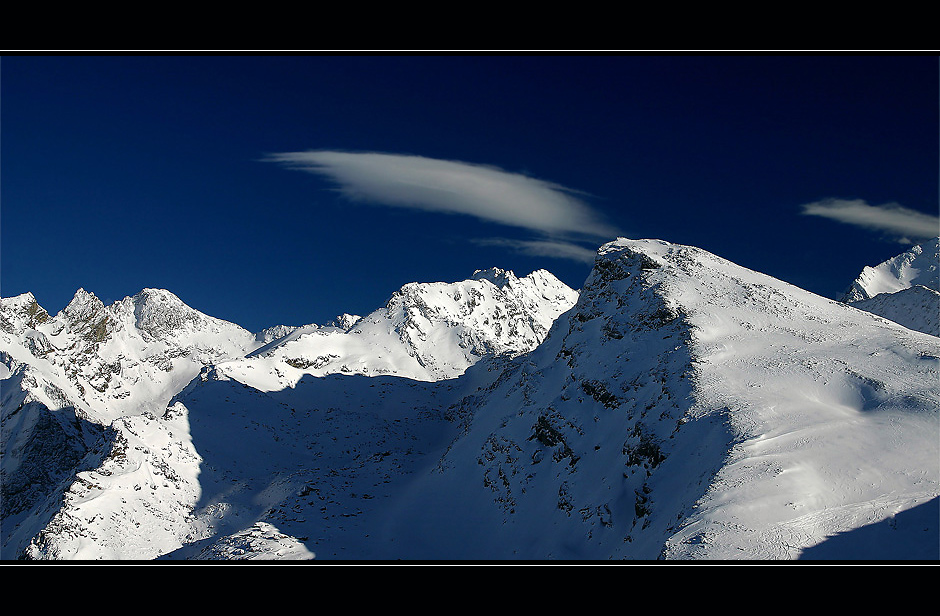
{"points": [[678, 406]]}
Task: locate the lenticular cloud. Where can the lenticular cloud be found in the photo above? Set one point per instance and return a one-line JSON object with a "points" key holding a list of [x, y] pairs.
{"points": [[891, 218], [454, 187]]}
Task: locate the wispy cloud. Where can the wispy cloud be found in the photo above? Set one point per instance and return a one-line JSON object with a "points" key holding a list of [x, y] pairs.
{"points": [[899, 222], [488, 193], [555, 249]]}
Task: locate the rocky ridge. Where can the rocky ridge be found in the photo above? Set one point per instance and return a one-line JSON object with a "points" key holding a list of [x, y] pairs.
{"points": [[86, 392], [681, 407]]}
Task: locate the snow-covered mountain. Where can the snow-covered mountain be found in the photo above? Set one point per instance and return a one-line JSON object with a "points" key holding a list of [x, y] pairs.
{"points": [[688, 408], [679, 407], [85, 381], [916, 266], [69, 379], [904, 289], [110, 361], [426, 331]]}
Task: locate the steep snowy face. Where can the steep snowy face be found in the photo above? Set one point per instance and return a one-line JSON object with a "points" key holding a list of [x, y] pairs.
{"points": [[108, 360], [918, 266], [426, 331], [916, 308], [493, 313], [555, 455], [74, 384], [904, 289], [20, 313], [97, 466], [687, 407]]}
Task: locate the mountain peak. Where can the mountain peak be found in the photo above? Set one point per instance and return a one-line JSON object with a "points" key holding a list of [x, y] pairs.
{"points": [[681, 407], [20, 312], [159, 312], [904, 289], [344, 321], [21, 299], [84, 313], [152, 294], [919, 265], [497, 276], [82, 302]]}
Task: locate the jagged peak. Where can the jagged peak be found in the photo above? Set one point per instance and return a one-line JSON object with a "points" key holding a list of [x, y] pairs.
{"points": [[159, 295], [920, 264], [496, 275], [21, 311], [543, 274], [500, 278], [270, 334], [83, 305], [82, 295], [20, 303], [23, 299], [344, 321]]}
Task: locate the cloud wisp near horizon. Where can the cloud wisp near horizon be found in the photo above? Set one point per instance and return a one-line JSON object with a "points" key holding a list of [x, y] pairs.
{"points": [[561, 221], [902, 224]]}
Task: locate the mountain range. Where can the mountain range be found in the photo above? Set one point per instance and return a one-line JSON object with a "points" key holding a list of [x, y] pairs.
{"points": [[677, 407]]}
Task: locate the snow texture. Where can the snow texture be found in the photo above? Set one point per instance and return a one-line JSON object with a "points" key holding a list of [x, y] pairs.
{"points": [[678, 407], [904, 289]]}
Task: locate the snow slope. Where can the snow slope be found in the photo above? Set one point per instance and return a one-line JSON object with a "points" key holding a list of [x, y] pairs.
{"points": [[98, 380], [426, 331], [683, 408], [688, 408], [74, 383], [916, 266], [916, 308], [904, 289]]}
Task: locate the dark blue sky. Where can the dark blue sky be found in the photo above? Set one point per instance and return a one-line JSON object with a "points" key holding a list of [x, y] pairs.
{"points": [[120, 173]]}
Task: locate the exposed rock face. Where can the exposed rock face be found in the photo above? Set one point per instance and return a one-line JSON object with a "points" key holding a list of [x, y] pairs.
{"points": [[20, 313]]}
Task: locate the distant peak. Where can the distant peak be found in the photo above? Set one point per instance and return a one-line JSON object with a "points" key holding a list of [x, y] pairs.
{"points": [[919, 264], [21, 311], [83, 302], [156, 294], [23, 299], [344, 321], [497, 276]]}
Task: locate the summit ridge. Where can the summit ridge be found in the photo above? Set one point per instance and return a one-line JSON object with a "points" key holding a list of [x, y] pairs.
{"points": [[677, 406]]}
